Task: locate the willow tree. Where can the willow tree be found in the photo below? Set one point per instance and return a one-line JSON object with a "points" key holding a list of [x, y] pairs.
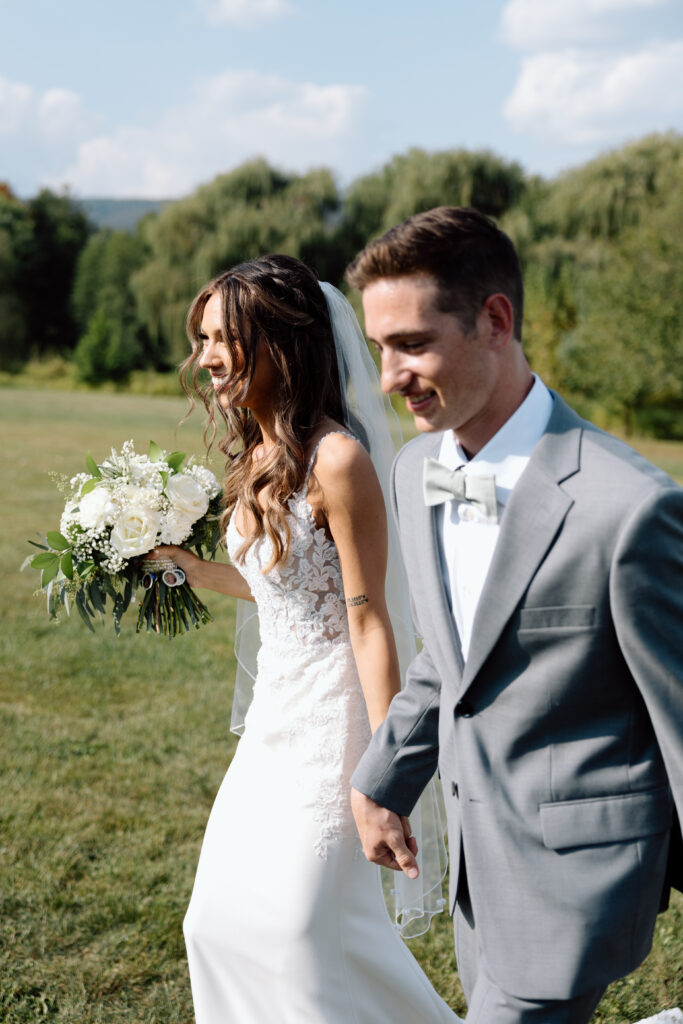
{"points": [[251, 211]]}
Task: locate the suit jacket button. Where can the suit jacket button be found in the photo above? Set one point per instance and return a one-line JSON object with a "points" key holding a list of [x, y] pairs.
{"points": [[454, 788], [464, 709]]}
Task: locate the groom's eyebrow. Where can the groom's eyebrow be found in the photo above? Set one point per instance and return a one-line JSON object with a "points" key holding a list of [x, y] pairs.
{"points": [[407, 335]]}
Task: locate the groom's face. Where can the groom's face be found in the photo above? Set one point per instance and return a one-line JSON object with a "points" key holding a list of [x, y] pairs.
{"points": [[445, 374]]}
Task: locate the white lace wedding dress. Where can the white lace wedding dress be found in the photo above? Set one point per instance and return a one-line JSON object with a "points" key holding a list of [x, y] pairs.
{"points": [[287, 923]]}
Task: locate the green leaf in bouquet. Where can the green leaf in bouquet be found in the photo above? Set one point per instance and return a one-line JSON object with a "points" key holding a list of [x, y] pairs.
{"points": [[164, 477], [156, 453], [83, 610], [43, 547], [85, 569], [49, 573], [125, 597], [45, 561], [57, 541], [119, 609], [89, 486], [107, 586], [175, 461], [67, 564], [97, 598], [92, 467]]}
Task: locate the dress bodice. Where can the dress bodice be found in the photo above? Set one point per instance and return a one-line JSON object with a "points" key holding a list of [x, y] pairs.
{"points": [[302, 600], [308, 702]]}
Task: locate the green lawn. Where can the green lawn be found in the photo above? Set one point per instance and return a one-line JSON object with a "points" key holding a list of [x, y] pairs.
{"points": [[111, 753]]}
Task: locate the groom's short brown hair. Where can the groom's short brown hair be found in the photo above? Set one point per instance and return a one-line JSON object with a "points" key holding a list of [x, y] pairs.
{"points": [[463, 250]]}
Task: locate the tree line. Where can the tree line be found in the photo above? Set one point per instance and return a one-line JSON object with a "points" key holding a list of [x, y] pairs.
{"points": [[601, 247]]}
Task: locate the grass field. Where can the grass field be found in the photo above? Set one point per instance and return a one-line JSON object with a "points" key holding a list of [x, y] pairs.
{"points": [[112, 751]]}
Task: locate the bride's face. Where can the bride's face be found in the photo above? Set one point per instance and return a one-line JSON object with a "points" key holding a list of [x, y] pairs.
{"points": [[259, 394]]}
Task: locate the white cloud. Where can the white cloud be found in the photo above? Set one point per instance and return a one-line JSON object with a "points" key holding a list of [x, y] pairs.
{"points": [[39, 131], [534, 24], [245, 12], [53, 114], [230, 118], [16, 100], [583, 97]]}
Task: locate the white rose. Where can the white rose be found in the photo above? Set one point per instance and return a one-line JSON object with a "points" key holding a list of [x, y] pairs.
{"points": [[187, 496], [130, 495], [95, 509], [135, 531], [175, 527]]}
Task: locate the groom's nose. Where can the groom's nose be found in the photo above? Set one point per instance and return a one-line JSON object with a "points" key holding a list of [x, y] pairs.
{"points": [[394, 374]]}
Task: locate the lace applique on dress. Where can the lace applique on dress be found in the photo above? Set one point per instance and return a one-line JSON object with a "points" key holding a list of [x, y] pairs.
{"points": [[307, 697]]}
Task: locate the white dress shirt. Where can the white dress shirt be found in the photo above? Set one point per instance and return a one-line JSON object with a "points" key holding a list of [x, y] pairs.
{"points": [[467, 540]]}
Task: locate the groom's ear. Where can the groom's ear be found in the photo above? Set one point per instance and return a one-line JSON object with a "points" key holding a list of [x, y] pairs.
{"points": [[498, 319]]}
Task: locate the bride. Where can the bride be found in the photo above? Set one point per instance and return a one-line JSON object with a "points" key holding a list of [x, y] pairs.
{"points": [[287, 921]]}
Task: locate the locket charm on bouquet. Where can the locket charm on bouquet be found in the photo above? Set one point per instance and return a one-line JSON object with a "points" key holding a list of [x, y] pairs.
{"points": [[154, 568]]}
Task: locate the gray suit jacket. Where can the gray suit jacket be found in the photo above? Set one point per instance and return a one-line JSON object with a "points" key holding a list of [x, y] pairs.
{"points": [[559, 742]]}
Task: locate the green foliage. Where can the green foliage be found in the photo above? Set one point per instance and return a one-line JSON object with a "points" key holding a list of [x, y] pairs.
{"points": [[246, 213], [40, 240], [103, 284], [418, 181], [627, 348], [105, 351], [15, 231], [613, 193], [58, 231]]}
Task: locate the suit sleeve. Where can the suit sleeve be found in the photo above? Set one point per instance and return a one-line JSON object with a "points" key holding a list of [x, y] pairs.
{"points": [[647, 606], [403, 753]]}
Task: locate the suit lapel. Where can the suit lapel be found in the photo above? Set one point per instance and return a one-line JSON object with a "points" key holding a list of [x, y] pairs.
{"points": [[530, 524]]}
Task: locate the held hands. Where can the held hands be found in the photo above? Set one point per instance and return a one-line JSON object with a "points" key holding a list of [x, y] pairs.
{"points": [[385, 836]]}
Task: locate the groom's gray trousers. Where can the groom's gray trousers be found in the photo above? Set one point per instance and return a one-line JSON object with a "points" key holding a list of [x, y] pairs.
{"points": [[487, 1003]]}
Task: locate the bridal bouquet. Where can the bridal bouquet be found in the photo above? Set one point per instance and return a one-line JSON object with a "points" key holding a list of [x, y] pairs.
{"points": [[114, 514]]}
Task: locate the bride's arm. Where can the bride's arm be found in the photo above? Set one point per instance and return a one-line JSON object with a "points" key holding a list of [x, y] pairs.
{"points": [[203, 574], [353, 504]]}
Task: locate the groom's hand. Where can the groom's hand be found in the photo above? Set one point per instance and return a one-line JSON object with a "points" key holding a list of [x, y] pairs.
{"points": [[385, 835]]}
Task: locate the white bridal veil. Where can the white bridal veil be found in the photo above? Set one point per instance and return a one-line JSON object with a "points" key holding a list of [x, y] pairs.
{"points": [[368, 412]]}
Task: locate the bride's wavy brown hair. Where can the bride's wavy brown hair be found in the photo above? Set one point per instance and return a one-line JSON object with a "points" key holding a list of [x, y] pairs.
{"points": [[278, 301]]}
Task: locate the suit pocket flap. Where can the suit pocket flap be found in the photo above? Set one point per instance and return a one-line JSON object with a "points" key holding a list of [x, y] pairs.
{"points": [[606, 819], [577, 616]]}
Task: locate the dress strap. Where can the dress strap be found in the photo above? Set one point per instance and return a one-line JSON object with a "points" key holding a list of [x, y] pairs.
{"points": [[314, 453]]}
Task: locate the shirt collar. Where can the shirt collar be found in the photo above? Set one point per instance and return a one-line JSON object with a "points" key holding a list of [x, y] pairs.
{"points": [[507, 453]]}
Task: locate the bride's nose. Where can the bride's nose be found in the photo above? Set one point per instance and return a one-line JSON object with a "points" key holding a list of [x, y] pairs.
{"points": [[211, 356]]}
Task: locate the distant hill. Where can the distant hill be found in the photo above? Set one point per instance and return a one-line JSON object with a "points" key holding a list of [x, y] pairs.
{"points": [[119, 214]]}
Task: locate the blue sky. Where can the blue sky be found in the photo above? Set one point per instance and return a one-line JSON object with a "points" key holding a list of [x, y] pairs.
{"points": [[150, 99]]}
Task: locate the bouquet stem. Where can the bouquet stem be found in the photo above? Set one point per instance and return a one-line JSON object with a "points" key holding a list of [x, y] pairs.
{"points": [[170, 606]]}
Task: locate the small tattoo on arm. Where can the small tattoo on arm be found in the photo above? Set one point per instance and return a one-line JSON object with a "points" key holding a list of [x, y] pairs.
{"points": [[353, 602]]}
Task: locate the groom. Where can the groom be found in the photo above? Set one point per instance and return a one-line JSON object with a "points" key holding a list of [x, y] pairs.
{"points": [[549, 690]]}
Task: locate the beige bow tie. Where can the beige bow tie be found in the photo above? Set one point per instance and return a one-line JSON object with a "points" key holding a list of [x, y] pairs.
{"points": [[442, 484]]}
